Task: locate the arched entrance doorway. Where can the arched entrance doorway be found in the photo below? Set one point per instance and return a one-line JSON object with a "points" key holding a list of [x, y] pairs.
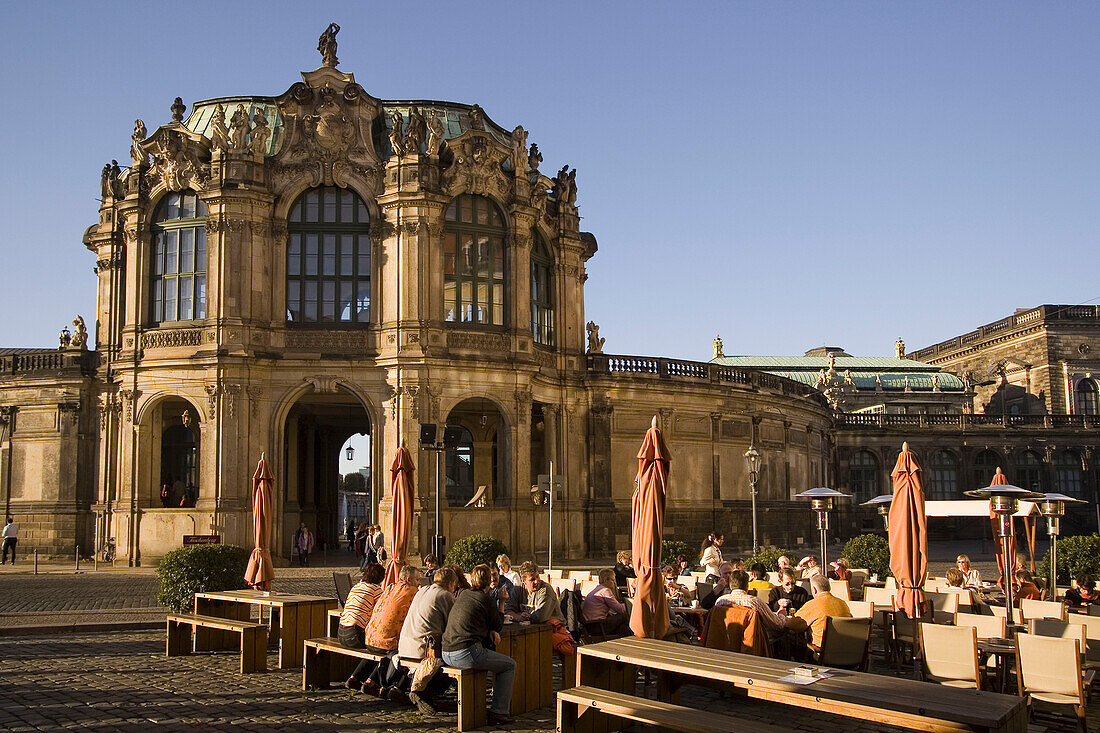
{"points": [[477, 455], [318, 430]]}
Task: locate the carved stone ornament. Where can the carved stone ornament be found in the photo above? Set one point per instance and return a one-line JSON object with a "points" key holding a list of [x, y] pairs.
{"points": [[186, 418], [324, 383], [171, 338], [178, 108], [523, 404], [328, 121], [519, 150], [255, 398], [595, 342], [129, 402], [345, 342], [139, 158], [80, 335], [477, 167], [565, 187], [212, 400], [180, 158], [261, 133], [415, 132], [477, 118], [231, 391], [72, 409], [435, 132], [497, 342], [238, 130], [534, 158], [219, 132], [326, 44], [110, 181]]}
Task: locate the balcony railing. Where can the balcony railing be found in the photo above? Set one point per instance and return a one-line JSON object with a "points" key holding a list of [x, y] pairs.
{"points": [[1018, 320], [963, 422], [698, 371], [48, 361]]}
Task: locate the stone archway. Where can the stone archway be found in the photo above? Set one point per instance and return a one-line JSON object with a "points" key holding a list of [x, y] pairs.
{"points": [[477, 454]]}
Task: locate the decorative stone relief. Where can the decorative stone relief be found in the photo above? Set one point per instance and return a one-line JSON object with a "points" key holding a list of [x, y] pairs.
{"points": [[212, 400], [477, 118], [261, 133], [129, 402], [70, 409], [435, 132], [324, 383], [179, 159], [231, 391], [478, 341], [519, 150], [523, 399], [415, 132], [219, 133], [476, 168], [139, 158], [330, 341], [170, 338], [113, 262], [434, 391], [255, 396]]}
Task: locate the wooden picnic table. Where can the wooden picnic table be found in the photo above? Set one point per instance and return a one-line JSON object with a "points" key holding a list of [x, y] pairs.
{"points": [[612, 665], [532, 646], [294, 618]]}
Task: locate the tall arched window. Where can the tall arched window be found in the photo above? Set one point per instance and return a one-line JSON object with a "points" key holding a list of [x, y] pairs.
{"points": [[179, 465], [542, 291], [944, 477], [1029, 471], [473, 261], [328, 258], [178, 268], [985, 466], [1067, 473], [1087, 403], [863, 476]]}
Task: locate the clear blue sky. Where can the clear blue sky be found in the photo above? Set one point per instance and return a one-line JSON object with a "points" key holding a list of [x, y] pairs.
{"points": [[786, 174]]}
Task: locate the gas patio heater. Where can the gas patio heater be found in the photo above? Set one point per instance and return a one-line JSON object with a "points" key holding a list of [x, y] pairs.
{"points": [[1053, 507], [882, 504], [821, 501], [1004, 501]]}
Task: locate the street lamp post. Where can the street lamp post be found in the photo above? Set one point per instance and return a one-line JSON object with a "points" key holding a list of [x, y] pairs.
{"points": [[752, 462], [882, 504], [821, 501], [1053, 507], [1004, 500]]}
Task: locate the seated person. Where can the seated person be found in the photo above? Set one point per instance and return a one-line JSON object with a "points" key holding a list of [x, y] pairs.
{"points": [[683, 567], [720, 588], [359, 606], [955, 579], [624, 569], [430, 564], [824, 604], [603, 611], [422, 633], [808, 567], [738, 595], [971, 577], [677, 594], [1024, 588], [502, 590], [1085, 592], [541, 597], [838, 570], [383, 630], [787, 596], [759, 577], [783, 562]]}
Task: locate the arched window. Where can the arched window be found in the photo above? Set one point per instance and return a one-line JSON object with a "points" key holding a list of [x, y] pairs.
{"points": [[1029, 471], [542, 291], [1087, 403], [944, 477], [178, 268], [985, 466], [864, 479], [328, 258], [1067, 473], [473, 261], [460, 468], [179, 466]]}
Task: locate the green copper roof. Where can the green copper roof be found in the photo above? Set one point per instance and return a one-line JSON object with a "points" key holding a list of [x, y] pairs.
{"points": [[202, 112], [816, 363]]}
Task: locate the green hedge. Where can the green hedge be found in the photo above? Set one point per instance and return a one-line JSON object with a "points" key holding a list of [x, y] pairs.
{"points": [[769, 556], [476, 549], [1076, 555], [189, 570], [869, 551], [671, 548]]}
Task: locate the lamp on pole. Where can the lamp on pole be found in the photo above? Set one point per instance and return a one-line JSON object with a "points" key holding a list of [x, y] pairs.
{"points": [[1004, 500], [752, 462], [882, 504], [821, 501], [351, 453], [1053, 507]]}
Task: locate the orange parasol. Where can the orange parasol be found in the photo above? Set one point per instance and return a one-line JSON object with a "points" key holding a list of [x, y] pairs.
{"points": [[401, 489], [649, 614], [260, 572], [908, 535]]}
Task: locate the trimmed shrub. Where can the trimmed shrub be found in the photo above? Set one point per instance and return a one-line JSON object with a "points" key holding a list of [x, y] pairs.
{"points": [[769, 556], [476, 549], [189, 570], [671, 548], [1076, 555], [869, 551]]}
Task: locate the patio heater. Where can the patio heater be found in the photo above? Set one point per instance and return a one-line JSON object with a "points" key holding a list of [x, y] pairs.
{"points": [[1004, 501], [881, 503], [752, 462], [1053, 507], [821, 501]]}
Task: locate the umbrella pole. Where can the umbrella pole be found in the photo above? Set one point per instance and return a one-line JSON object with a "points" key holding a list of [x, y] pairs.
{"points": [[1006, 531], [1052, 532]]}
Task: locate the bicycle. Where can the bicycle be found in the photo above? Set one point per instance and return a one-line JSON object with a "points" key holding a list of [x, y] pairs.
{"points": [[109, 550]]}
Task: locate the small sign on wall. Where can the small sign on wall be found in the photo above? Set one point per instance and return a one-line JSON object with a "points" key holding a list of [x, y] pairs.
{"points": [[201, 539]]}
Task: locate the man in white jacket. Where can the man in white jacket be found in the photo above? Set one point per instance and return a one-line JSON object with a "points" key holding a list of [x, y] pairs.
{"points": [[11, 537]]}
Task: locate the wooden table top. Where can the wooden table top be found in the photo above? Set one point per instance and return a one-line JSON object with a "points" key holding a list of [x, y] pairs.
{"points": [[260, 597], [856, 688]]}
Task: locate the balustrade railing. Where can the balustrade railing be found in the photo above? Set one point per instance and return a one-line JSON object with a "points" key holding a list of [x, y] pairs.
{"points": [[880, 420], [677, 369]]}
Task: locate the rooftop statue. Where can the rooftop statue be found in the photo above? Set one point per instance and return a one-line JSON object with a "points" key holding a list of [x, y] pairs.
{"points": [[219, 133], [326, 44], [435, 132], [595, 343], [534, 157], [257, 145], [238, 129], [395, 134], [519, 149], [415, 131], [138, 157]]}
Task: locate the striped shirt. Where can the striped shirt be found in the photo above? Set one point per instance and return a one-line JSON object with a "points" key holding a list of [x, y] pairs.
{"points": [[360, 604]]}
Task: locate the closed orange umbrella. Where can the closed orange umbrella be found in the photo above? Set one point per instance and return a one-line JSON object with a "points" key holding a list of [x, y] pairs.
{"points": [[999, 479], [908, 535], [649, 614], [260, 572], [401, 489]]}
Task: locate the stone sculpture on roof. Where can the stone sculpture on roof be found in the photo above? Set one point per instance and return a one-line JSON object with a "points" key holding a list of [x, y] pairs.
{"points": [[219, 133], [396, 138], [238, 129], [435, 132], [260, 133], [326, 44], [519, 149], [534, 158], [138, 157], [415, 132], [595, 343]]}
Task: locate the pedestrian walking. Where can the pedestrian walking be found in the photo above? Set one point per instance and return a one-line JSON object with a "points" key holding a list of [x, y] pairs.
{"points": [[350, 534], [303, 540], [379, 541], [11, 538]]}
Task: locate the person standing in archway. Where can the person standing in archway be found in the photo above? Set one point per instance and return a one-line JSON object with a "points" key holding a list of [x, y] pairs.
{"points": [[303, 540]]}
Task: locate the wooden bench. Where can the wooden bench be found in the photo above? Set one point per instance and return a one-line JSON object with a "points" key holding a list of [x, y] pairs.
{"points": [[317, 674], [573, 703], [253, 638]]}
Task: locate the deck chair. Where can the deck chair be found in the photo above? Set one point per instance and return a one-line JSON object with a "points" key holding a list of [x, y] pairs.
{"points": [[906, 635], [560, 585], [1017, 614], [1032, 608], [844, 643], [555, 573], [987, 627], [1050, 673], [881, 598], [855, 583], [702, 590], [944, 607], [1092, 638], [965, 603], [1052, 627], [342, 581], [587, 586], [862, 609], [840, 589], [949, 656], [891, 583], [579, 574]]}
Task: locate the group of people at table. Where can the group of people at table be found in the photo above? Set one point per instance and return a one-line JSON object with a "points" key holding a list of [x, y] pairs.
{"points": [[442, 613]]}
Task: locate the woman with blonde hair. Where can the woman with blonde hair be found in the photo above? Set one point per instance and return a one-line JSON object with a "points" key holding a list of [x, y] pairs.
{"points": [[504, 564], [971, 576]]}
